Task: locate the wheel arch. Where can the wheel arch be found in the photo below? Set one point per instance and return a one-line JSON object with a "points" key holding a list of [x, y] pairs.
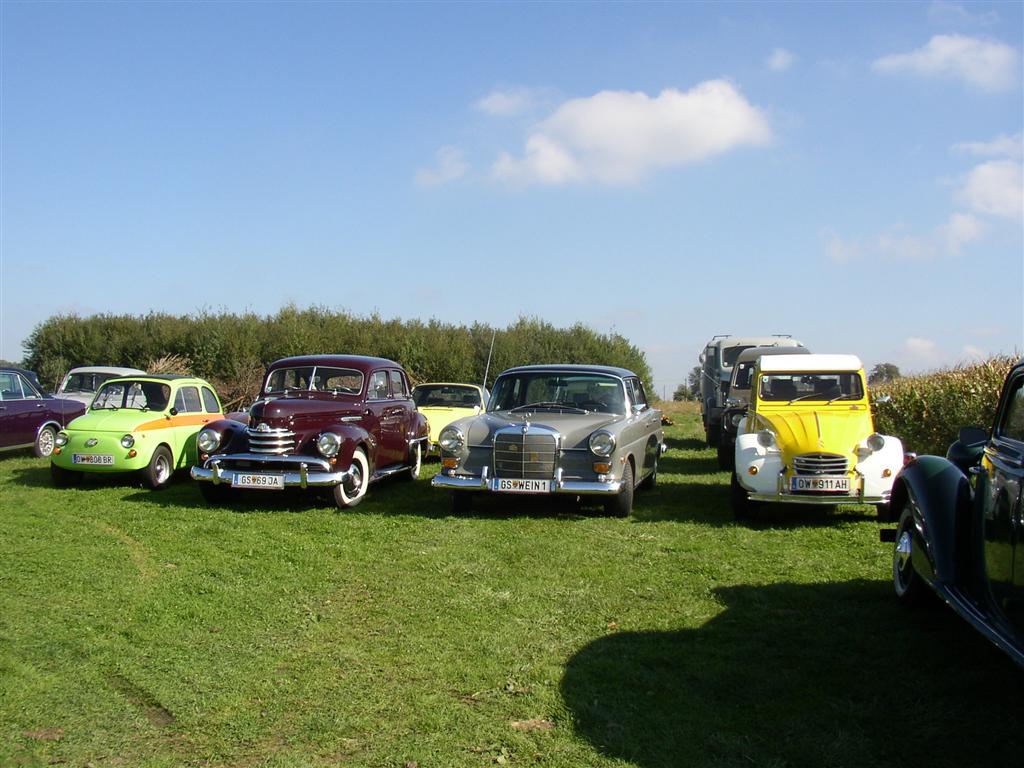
{"points": [[939, 497]]}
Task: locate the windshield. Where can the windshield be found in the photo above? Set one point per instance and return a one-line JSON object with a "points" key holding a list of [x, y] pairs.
{"points": [[729, 354], [315, 378], [742, 374], [138, 395], [85, 382], [546, 390], [814, 387], [446, 396]]}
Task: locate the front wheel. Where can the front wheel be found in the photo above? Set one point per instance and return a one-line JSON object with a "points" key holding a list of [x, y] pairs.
{"points": [[64, 478], [621, 504], [415, 461], [742, 507], [726, 453], [905, 580], [161, 466], [45, 440], [350, 492]]}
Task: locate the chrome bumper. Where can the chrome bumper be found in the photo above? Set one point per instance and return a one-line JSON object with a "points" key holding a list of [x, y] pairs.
{"points": [[788, 498], [308, 471], [558, 485]]}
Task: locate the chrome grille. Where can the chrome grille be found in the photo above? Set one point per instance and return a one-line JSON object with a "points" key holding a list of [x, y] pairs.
{"points": [[820, 464], [531, 456], [270, 440]]}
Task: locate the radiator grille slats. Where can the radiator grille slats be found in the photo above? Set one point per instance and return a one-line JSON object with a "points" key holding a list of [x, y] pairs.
{"points": [[530, 456], [273, 440], [820, 464]]}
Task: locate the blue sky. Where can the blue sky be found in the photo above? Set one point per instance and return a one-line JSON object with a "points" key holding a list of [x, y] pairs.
{"points": [[846, 173]]}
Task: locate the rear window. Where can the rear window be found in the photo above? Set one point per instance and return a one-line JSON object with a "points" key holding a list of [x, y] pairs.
{"points": [[446, 396], [729, 354]]}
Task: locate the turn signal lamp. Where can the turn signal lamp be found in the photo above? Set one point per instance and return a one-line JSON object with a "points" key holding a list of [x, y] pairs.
{"points": [[449, 463], [751, 470], [602, 467]]}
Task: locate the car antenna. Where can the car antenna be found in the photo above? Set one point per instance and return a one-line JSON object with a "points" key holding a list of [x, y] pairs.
{"points": [[494, 332]]}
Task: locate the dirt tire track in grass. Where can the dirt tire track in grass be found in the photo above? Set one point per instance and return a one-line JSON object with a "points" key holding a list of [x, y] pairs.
{"points": [[138, 697], [141, 559]]}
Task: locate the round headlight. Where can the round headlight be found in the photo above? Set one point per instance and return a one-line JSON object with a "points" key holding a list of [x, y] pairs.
{"points": [[602, 444], [208, 440], [328, 444], [765, 438], [127, 441], [736, 419], [451, 439], [876, 442], [61, 439]]}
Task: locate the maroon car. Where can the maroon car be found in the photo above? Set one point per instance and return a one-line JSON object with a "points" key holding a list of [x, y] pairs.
{"points": [[324, 421], [29, 418]]}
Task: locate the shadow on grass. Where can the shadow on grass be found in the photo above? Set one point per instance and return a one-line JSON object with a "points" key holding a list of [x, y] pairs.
{"points": [[823, 674], [685, 443]]}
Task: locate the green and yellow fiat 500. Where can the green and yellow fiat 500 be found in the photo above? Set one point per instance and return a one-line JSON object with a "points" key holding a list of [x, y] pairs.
{"points": [[145, 424]]}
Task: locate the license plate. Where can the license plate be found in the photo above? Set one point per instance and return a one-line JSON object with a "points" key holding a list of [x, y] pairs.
{"points": [[103, 459], [510, 485], [823, 484], [272, 482]]}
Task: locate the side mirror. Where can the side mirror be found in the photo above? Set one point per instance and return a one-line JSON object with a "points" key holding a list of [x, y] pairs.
{"points": [[966, 452], [637, 409], [883, 399], [173, 411], [972, 435]]}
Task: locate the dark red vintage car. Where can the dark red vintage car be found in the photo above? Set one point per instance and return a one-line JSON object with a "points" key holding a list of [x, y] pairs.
{"points": [[324, 421]]}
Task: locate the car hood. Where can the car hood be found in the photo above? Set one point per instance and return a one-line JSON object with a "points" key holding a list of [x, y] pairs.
{"points": [[825, 430], [302, 414], [575, 428], [123, 420]]}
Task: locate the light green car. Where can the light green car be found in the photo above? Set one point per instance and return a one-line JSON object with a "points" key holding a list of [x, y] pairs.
{"points": [[145, 424]]}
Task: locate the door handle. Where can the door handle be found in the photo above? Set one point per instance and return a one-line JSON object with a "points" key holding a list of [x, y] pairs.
{"points": [[39, 405], [368, 412]]}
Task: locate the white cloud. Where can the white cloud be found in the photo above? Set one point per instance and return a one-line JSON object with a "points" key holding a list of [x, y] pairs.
{"points": [[1000, 146], [924, 350], [838, 250], [972, 352], [953, 14], [961, 229], [987, 64], [995, 188], [947, 239], [508, 102], [618, 137], [450, 166], [780, 60]]}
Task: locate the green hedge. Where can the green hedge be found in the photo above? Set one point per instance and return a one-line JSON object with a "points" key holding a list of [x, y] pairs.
{"points": [[232, 350], [927, 411]]}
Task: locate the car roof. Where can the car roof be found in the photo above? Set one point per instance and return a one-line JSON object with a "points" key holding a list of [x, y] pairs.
{"points": [[105, 369], [608, 370], [755, 352], [161, 377], [362, 363], [781, 340], [447, 384], [810, 363]]}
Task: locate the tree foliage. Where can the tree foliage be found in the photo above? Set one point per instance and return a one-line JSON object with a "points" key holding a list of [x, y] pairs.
{"points": [[231, 350], [883, 373]]}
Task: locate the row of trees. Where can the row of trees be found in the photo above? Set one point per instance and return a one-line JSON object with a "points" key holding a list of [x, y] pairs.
{"points": [[232, 350]]}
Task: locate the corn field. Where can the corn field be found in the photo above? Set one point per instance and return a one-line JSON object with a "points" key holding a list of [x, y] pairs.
{"points": [[927, 411]]}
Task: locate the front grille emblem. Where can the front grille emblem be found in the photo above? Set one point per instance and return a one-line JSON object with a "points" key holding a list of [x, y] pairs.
{"points": [[91, 442], [263, 427]]}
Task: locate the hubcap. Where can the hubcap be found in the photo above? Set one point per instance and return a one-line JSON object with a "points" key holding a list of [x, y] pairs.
{"points": [[902, 552], [46, 442], [355, 479], [162, 469]]}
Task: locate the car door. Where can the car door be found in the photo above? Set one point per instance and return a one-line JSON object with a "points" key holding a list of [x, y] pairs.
{"points": [[188, 421], [645, 422], [380, 415], [1000, 497], [404, 411], [21, 411]]}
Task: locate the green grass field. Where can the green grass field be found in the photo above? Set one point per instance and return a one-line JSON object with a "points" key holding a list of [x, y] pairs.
{"points": [[148, 629]]}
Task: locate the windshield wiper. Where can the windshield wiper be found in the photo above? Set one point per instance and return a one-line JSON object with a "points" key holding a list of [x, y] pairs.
{"points": [[844, 397], [547, 404]]}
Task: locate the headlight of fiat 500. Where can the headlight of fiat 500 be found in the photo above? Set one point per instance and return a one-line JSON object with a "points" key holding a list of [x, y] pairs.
{"points": [[61, 439], [602, 444], [875, 442], [127, 441], [328, 444], [765, 438], [736, 419], [451, 439], [208, 440]]}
